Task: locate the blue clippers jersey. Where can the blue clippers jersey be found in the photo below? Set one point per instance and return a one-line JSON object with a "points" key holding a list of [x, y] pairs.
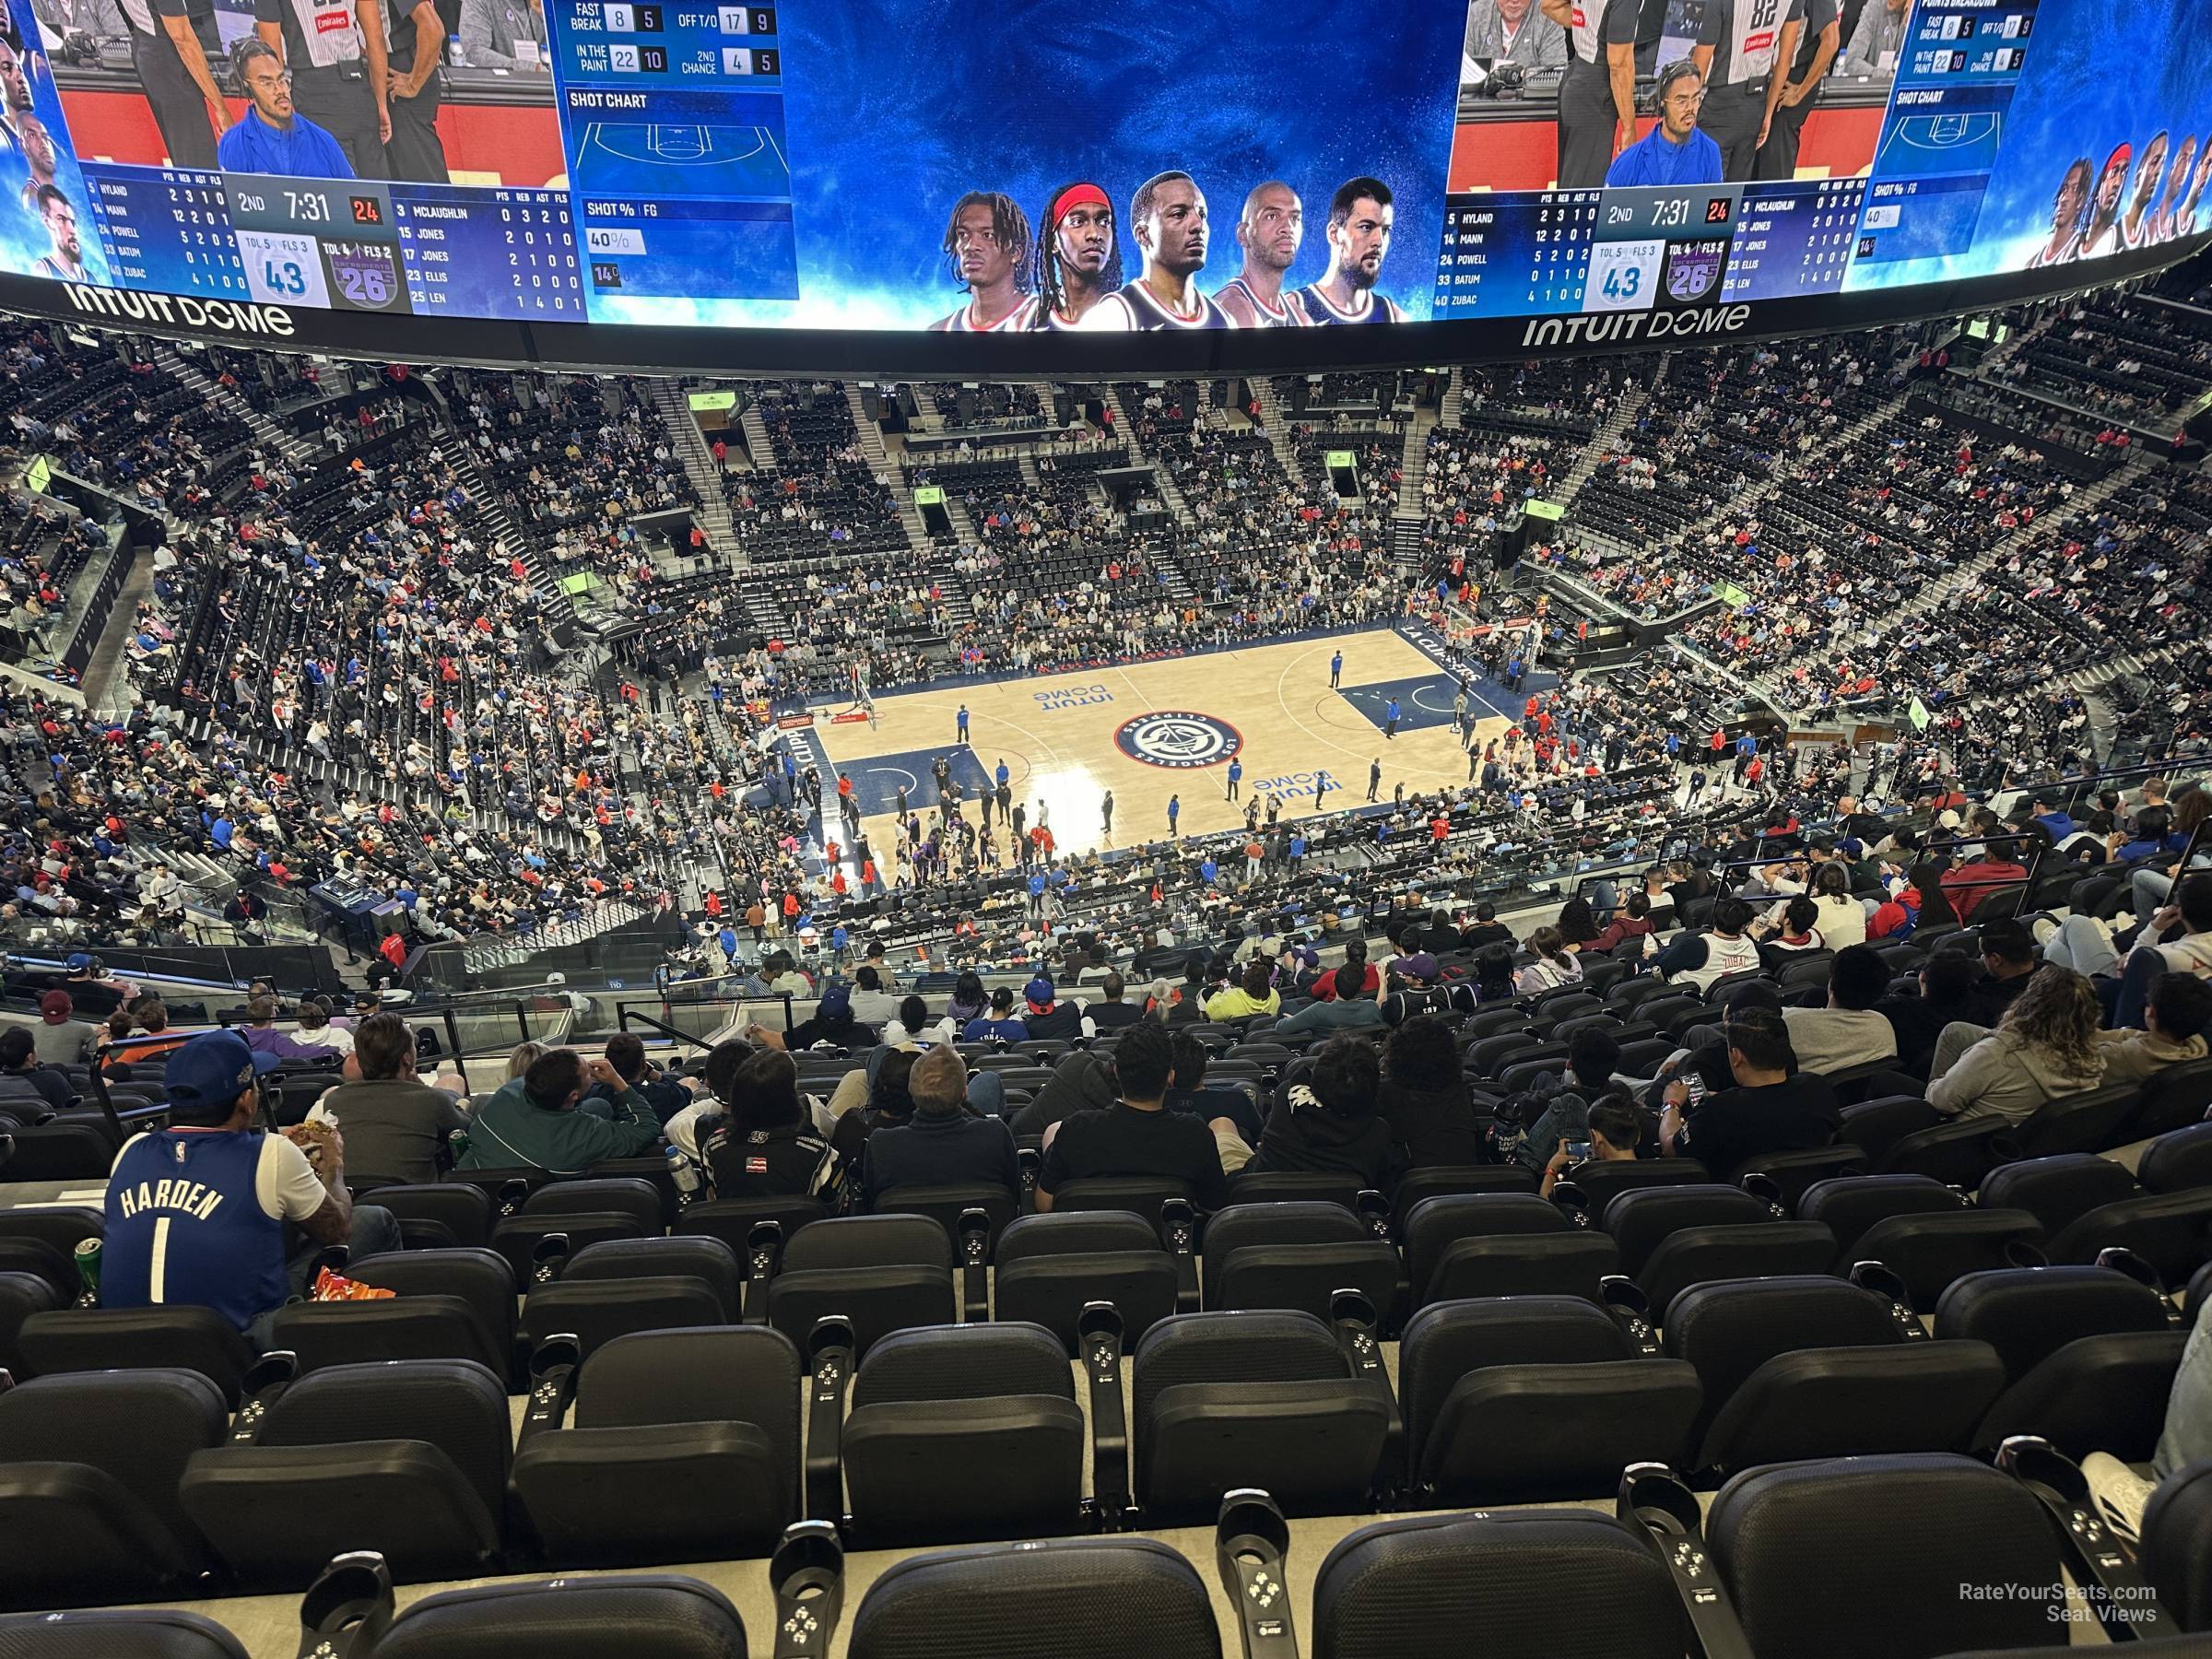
{"points": [[184, 1226]]}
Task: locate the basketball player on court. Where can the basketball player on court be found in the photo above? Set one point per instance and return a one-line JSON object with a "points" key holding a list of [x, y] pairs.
{"points": [[2067, 211], [1741, 47], [1598, 93], [1360, 221], [987, 246], [1079, 259], [1269, 230], [2135, 224], [1166, 215]]}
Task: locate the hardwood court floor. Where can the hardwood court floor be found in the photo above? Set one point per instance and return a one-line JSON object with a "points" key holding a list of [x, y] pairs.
{"points": [[1068, 738]]}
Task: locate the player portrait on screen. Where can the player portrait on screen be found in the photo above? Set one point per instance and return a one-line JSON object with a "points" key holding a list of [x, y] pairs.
{"points": [[987, 248], [1359, 220], [1270, 229], [2187, 222], [66, 257], [39, 157], [2101, 234], [2069, 213], [1079, 256], [2177, 181], [2134, 223], [1166, 215]]}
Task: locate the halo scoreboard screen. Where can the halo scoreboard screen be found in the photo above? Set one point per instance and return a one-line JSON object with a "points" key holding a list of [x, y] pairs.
{"points": [[1196, 172]]}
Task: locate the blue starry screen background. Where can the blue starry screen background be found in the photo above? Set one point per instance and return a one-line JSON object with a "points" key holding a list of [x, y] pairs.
{"points": [[895, 108]]}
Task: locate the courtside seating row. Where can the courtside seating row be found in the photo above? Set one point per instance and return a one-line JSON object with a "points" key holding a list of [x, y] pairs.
{"points": [[1818, 1560]]}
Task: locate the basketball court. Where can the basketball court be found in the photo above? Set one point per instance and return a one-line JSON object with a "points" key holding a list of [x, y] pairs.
{"points": [[683, 158], [1955, 142], [1153, 730]]}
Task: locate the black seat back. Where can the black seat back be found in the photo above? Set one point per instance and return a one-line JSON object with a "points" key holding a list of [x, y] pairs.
{"points": [[1813, 1575], [667, 1616], [1106, 1598], [2057, 1190], [710, 1260], [1050, 1266], [1423, 1587], [2028, 1314], [178, 1335]]}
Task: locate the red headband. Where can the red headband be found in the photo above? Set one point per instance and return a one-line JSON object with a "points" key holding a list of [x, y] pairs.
{"points": [[1078, 195]]}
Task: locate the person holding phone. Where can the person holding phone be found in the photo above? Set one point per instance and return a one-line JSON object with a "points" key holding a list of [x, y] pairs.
{"points": [[1616, 1127]]}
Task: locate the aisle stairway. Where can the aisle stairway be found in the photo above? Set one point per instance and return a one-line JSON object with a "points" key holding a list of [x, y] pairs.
{"points": [[293, 448], [669, 397]]}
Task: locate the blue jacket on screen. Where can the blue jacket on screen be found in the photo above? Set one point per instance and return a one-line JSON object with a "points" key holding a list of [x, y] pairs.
{"points": [[1653, 160], [305, 152]]}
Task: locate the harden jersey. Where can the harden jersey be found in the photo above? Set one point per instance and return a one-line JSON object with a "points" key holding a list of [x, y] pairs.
{"points": [[1321, 311], [1135, 307], [1285, 314], [963, 321]]}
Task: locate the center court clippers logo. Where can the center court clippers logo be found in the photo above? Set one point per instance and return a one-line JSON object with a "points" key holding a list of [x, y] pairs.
{"points": [[1177, 738]]}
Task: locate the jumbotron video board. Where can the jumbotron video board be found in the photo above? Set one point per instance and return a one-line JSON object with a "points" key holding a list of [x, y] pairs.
{"points": [[1237, 182]]}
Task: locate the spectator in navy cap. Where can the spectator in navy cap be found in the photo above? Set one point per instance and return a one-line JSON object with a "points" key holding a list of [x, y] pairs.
{"points": [[213, 1211]]}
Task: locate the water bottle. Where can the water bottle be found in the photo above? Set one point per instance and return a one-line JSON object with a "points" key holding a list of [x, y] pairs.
{"points": [[684, 1173]]}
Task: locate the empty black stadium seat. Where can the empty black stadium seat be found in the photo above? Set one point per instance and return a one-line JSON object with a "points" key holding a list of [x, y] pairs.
{"points": [[461, 1209], [683, 1445], [946, 1205], [408, 1459], [91, 1633], [1050, 1266], [1436, 1181], [1438, 1224], [1930, 1251], [1640, 1220], [22, 1295], [2177, 1160], [180, 1335], [1296, 1254], [2079, 1123], [1100, 1598], [596, 1311], [89, 1488], [2173, 1099], [2057, 1190], [1536, 1584], [662, 1615], [1601, 1180], [1793, 1172], [2028, 1314], [2176, 1551], [1266, 1399], [1523, 1398], [884, 1273], [1849, 1208], [2172, 1231], [964, 1432], [1695, 1256], [2096, 1393], [525, 1239], [710, 1260], [1811, 1366], [1837, 1560]]}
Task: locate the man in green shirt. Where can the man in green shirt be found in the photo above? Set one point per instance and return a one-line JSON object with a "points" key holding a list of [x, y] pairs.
{"points": [[533, 1122]]}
